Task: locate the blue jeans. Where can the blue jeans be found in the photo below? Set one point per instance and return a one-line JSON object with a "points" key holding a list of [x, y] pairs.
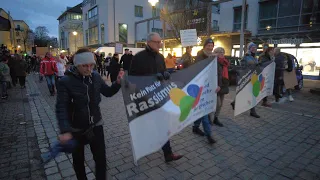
{"points": [[50, 82], [205, 123]]}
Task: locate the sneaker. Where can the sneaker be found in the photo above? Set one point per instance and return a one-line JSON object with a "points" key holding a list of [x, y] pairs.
{"points": [[217, 122], [173, 157], [254, 114], [197, 130], [211, 140], [291, 98]]}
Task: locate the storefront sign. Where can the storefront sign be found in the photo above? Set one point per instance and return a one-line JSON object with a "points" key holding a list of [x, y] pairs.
{"points": [[286, 41]]}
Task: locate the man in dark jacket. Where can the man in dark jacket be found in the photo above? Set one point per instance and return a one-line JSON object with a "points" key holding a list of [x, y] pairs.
{"points": [[126, 60], [187, 59], [78, 111], [203, 54], [151, 62]]}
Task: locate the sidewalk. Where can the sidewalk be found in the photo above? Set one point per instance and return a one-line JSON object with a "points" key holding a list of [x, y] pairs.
{"points": [[279, 145], [20, 153]]}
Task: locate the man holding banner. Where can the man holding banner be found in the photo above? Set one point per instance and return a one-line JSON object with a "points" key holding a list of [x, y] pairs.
{"points": [[151, 62]]}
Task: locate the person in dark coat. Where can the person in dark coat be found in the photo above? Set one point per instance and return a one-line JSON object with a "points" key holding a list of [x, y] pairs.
{"points": [[150, 62], [78, 112], [114, 67], [126, 60], [20, 69]]}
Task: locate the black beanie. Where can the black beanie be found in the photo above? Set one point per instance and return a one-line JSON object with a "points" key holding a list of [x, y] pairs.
{"points": [[207, 42]]}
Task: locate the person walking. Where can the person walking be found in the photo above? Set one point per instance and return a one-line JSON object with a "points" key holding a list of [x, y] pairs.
{"points": [[114, 67], [4, 77], [266, 56], [250, 60], [48, 68], [280, 61], [223, 82], [150, 62], [61, 67], [187, 59], [78, 111], [126, 59], [170, 63], [21, 71], [12, 63], [107, 64], [203, 54]]}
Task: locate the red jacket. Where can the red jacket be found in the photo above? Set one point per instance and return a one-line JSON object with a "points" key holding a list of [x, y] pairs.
{"points": [[48, 67]]}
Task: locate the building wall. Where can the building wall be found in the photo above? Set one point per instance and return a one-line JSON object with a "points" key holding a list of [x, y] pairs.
{"points": [[21, 35], [8, 37], [71, 42], [125, 13], [227, 12]]}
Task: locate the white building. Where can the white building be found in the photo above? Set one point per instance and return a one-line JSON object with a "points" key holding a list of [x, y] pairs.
{"points": [[108, 21], [70, 29]]}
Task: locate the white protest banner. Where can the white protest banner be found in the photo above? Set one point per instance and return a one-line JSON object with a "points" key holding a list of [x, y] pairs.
{"points": [[255, 83], [158, 110], [188, 37]]}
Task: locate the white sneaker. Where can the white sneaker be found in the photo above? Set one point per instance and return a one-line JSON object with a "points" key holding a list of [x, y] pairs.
{"points": [[291, 98]]}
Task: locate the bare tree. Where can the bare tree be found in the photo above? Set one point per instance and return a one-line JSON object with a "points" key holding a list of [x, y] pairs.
{"points": [[41, 36], [185, 14], [27, 39]]}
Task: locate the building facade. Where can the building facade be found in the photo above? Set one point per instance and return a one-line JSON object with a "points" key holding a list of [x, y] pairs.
{"points": [[7, 35], [22, 34], [107, 22], [71, 29]]}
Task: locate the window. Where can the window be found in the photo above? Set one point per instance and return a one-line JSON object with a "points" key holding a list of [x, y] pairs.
{"points": [[157, 30], [62, 19], [215, 26], [309, 5], [289, 7], [93, 12], [75, 17], [237, 18], [86, 16], [155, 11], [93, 2], [102, 33], [123, 33], [18, 41], [18, 27], [268, 9], [138, 11], [93, 35], [17, 33], [216, 9]]}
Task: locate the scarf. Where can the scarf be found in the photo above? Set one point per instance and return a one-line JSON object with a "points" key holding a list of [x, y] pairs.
{"points": [[225, 64]]}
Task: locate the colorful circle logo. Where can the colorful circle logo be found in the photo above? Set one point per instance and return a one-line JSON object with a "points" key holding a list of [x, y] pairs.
{"points": [[184, 101], [257, 84]]}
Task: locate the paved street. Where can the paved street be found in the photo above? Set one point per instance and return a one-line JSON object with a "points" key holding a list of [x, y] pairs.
{"points": [[283, 144]]}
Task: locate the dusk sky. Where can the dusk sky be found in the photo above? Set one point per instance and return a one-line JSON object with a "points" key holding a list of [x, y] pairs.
{"points": [[38, 12]]}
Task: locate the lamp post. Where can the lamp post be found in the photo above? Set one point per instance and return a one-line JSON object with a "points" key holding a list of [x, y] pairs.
{"points": [[75, 33], [153, 4]]}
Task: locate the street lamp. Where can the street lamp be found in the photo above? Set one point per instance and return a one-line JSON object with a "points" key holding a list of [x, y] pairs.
{"points": [[153, 4], [19, 46], [75, 33]]}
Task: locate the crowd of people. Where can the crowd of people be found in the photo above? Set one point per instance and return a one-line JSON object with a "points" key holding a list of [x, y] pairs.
{"points": [[78, 83]]}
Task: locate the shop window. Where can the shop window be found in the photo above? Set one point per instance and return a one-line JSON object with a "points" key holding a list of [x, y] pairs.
{"points": [[237, 18], [123, 33], [308, 58], [289, 7], [138, 11], [93, 35]]}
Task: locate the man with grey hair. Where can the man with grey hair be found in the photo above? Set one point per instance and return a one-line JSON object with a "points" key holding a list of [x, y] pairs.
{"points": [[150, 62]]}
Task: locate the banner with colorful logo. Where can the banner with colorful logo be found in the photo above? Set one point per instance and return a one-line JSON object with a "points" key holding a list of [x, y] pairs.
{"points": [[255, 83], [157, 110]]}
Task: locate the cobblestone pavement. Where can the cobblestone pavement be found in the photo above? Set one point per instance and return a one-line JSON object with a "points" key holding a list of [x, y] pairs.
{"points": [[283, 144], [19, 150]]}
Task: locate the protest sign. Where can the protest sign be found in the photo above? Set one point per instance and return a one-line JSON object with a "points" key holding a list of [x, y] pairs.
{"points": [[188, 37], [255, 83], [157, 110]]}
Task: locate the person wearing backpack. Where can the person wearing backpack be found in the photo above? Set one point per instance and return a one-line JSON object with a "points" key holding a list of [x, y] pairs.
{"points": [[48, 69]]}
